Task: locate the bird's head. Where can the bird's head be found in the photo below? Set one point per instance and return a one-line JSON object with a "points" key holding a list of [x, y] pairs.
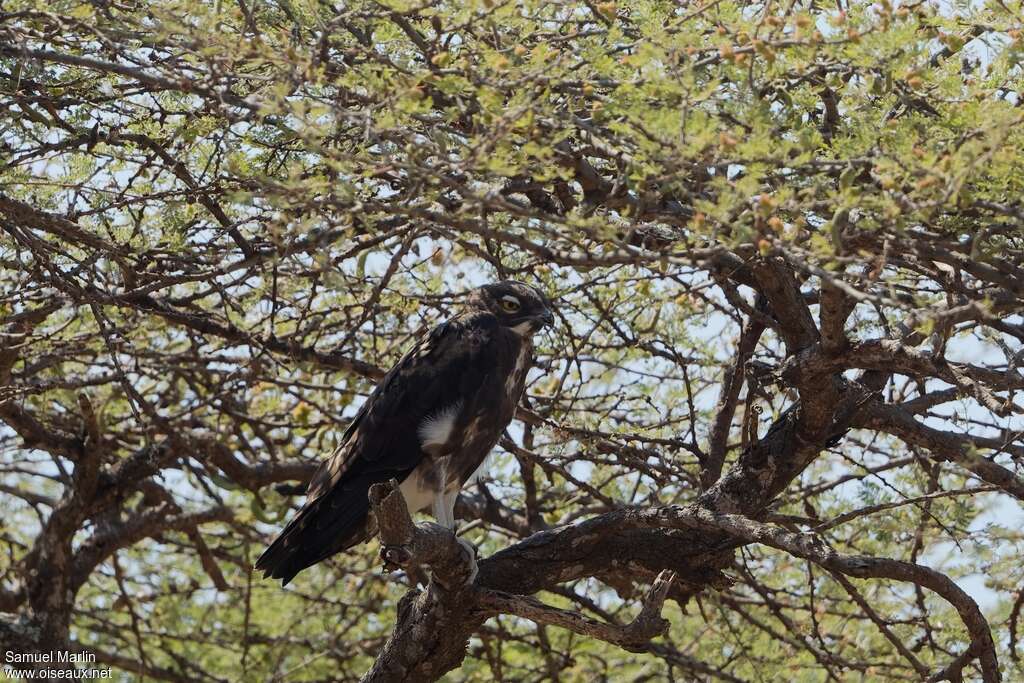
{"points": [[520, 307]]}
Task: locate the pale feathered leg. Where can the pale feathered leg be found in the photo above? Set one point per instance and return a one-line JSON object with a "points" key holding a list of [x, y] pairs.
{"points": [[443, 509]]}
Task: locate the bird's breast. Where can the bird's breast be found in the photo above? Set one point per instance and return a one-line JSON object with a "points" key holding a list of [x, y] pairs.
{"points": [[455, 439]]}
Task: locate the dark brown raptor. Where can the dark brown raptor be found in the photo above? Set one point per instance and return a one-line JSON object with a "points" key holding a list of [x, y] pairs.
{"points": [[430, 423]]}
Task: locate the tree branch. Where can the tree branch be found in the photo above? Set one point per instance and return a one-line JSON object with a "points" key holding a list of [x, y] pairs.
{"points": [[633, 636]]}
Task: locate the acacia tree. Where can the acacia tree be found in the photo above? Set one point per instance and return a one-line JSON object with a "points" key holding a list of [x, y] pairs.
{"points": [[775, 432]]}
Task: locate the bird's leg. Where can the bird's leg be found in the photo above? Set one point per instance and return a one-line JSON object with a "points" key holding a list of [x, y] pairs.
{"points": [[471, 550], [443, 509]]}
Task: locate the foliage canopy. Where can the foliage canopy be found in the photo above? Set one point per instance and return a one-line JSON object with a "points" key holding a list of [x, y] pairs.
{"points": [[785, 240]]}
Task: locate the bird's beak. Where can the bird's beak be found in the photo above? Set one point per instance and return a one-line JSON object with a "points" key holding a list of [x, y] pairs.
{"points": [[546, 319]]}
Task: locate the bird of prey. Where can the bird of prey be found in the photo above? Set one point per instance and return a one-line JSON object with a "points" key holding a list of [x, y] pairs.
{"points": [[430, 423]]}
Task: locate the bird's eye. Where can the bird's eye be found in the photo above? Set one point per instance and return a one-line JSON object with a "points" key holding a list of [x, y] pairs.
{"points": [[509, 304]]}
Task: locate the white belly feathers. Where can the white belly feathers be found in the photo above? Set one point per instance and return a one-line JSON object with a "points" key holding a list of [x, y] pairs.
{"points": [[436, 429]]}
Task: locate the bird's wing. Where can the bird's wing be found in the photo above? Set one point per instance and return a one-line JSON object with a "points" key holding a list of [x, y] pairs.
{"points": [[443, 368], [382, 442]]}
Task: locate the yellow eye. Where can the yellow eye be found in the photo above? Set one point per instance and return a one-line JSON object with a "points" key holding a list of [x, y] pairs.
{"points": [[509, 304]]}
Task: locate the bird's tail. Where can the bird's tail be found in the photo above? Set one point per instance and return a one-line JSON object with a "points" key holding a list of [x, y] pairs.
{"points": [[323, 527]]}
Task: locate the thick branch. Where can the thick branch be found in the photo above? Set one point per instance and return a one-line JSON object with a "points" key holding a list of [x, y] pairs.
{"points": [[433, 624], [834, 309], [633, 636], [945, 445]]}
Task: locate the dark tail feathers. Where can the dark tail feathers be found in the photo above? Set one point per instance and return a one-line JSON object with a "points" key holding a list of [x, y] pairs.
{"points": [[318, 531]]}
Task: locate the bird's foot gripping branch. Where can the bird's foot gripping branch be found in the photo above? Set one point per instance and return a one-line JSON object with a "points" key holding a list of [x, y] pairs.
{"points": [[408, 546], [434, 624]]}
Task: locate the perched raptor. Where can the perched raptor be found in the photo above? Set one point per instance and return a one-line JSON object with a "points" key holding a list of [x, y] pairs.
{"points": [[429, 423]]}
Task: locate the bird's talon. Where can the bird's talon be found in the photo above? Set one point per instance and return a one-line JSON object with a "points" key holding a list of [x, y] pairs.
{"points": [[471, 551]]}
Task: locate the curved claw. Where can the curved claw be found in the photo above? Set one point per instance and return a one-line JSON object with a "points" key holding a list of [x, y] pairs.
{"points": [[471, 551]]}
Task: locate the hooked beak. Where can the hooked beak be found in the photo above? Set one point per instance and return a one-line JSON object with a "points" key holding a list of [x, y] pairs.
{"points": [[546, 319]]}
